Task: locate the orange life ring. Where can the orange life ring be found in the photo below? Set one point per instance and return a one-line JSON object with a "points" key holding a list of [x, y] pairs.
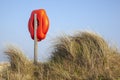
{"points": [[42, 26]]}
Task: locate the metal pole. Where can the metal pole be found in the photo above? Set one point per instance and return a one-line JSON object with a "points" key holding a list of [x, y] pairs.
{"points": [[35, 40]]}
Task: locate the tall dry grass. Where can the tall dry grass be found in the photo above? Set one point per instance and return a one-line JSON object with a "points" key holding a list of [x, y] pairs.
{"points": [[83, 56], [86, 56]]}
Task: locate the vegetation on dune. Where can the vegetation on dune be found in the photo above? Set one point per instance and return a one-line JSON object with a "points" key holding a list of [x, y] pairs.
{"points": [[83, 56]]}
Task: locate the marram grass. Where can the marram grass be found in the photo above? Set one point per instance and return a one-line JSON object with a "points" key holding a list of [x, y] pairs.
{"points": [[83, 56]]}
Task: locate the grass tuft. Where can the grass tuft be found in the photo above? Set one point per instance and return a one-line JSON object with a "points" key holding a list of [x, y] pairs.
{"points": [[82, 56]]}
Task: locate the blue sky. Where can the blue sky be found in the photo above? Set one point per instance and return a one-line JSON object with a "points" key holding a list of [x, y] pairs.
{"points": [[66, 16]]}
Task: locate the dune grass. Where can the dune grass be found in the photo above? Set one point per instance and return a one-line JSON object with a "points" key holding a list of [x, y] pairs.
{"points": [[83, 56]]}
